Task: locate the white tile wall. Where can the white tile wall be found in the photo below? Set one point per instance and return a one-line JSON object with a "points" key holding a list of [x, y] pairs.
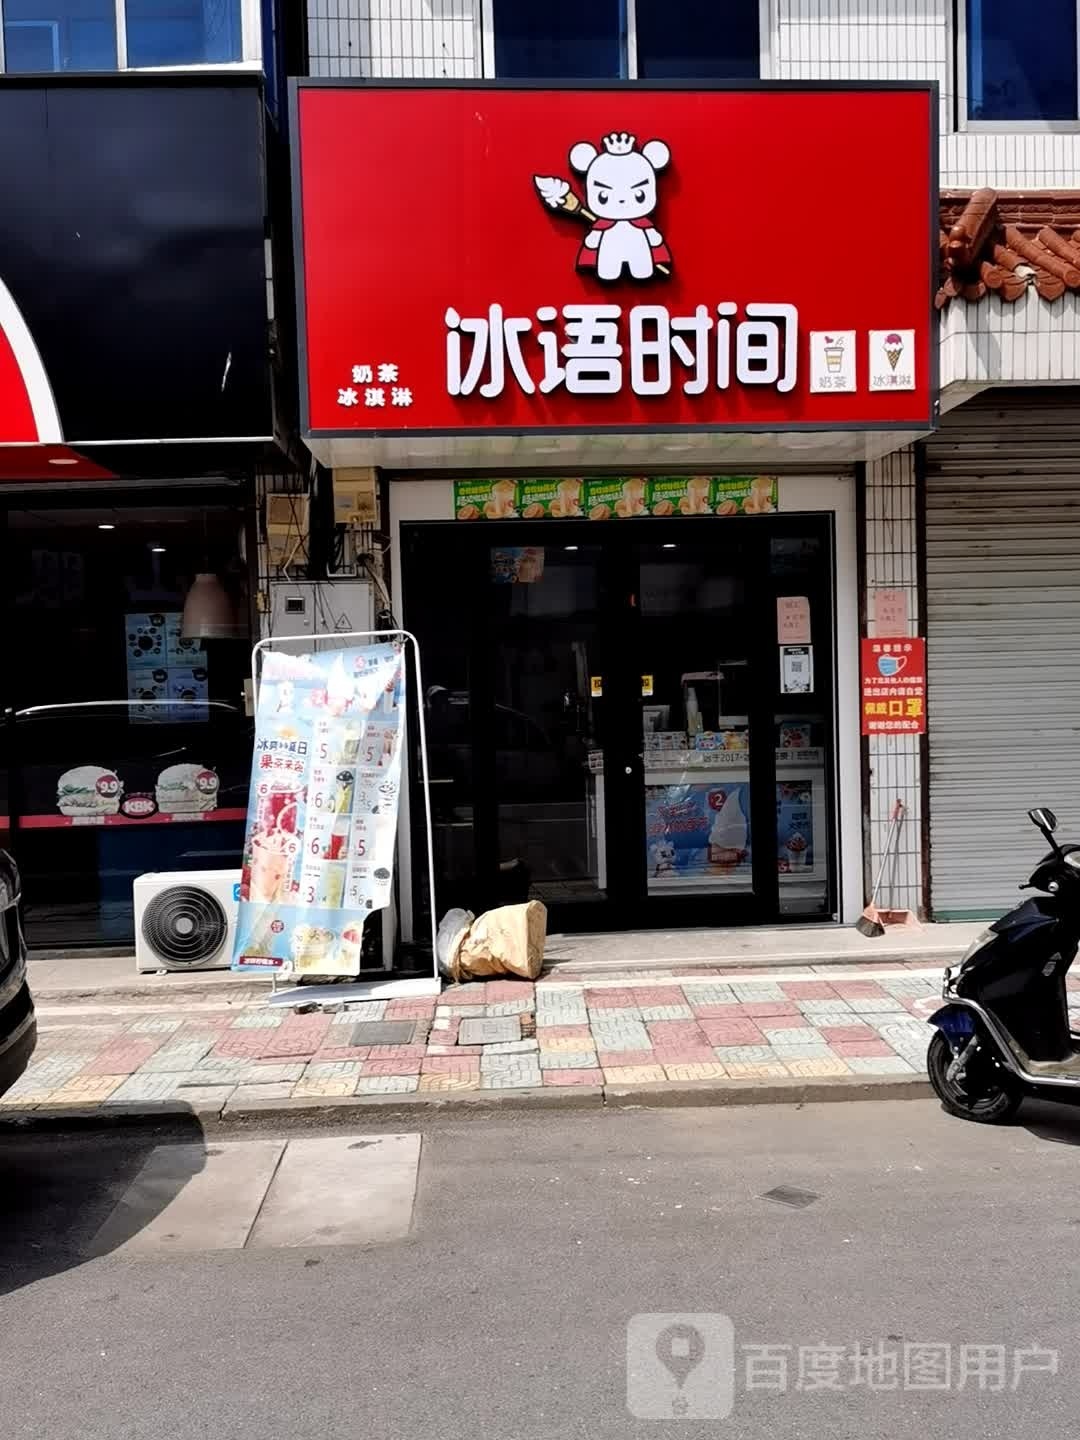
{"points": [[395, 39], [1032, 341], [891, 538], [865, 40], [1010, 162]]}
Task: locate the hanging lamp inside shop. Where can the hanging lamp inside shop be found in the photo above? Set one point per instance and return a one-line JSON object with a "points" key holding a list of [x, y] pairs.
{"points": [[209, 613]]}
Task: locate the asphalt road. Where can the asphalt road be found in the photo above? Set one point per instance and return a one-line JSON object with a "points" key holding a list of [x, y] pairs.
{"points": [[535, 1241]]}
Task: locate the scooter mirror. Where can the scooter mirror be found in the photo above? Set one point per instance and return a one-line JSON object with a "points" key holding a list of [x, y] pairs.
{"points": [[1045, 819]]}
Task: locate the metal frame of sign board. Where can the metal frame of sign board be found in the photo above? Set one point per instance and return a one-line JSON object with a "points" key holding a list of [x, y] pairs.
{"points": [[309, 642]]}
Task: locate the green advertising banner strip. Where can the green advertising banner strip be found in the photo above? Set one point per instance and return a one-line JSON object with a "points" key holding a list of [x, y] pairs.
{"points": [[551, 499], [487, 499], [744, 494], [608, 497]]}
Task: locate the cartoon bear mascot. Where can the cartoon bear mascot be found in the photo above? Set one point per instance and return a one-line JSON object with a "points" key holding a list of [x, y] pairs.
{"points": [[620, 190]]}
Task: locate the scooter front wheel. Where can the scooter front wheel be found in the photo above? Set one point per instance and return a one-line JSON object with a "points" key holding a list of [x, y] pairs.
{"points": [[983, 1092]]}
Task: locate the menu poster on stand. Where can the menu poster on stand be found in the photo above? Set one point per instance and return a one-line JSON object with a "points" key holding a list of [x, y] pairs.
{"points": [[322, 815]]}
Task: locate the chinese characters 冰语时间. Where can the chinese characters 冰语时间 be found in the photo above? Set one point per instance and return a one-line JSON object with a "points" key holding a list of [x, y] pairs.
{"points": [[597, 347]]}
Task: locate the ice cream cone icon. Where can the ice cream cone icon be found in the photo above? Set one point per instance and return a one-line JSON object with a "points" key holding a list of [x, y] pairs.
{"points": [[894, 348]]}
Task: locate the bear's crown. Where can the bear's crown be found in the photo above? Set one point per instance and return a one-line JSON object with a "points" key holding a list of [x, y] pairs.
{"points": [[619, 142]]}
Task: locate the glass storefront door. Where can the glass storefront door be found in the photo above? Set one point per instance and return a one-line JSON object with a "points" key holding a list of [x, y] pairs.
{"points": [[632, 723], [736, 727]]}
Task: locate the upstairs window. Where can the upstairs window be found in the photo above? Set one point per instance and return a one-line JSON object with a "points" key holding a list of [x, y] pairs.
{"points": [[44, 36], [640, 39], [183, 32], [41, 36], [1021, 65], [560, 40], [698, 39]]}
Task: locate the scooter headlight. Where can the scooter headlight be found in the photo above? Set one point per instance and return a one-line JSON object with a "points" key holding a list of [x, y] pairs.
{"points": [[983, 938]]}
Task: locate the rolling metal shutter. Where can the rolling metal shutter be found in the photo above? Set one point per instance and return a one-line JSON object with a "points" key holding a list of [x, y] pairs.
{"points": [[1003, 627]]}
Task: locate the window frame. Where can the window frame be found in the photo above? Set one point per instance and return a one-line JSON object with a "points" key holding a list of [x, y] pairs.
{"points": [[251, 57], [1002, 127], [767, 27], [32, 24]]}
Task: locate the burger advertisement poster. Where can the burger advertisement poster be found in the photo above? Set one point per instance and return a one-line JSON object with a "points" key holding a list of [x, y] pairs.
{"points": [[96, 795], [322, 814]]}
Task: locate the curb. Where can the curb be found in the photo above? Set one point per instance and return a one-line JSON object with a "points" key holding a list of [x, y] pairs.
{"points": [[793, 1091], [931, 959], [230, 988], [253, 1115], [242, 993]]}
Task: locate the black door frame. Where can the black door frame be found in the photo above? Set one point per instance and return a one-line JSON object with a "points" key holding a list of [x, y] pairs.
{"points": [[627, 905]]}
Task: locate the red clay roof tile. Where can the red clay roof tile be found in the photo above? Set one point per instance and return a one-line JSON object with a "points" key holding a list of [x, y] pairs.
{"points": [[1006, 242]]}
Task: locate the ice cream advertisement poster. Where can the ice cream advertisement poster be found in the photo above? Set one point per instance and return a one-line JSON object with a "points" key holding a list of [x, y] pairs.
{"points": [[697, 830], [794, 826], [322, 814]]}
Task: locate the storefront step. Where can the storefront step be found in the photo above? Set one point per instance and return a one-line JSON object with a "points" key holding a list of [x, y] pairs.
{"points": [[772, 946], [113, 975]]}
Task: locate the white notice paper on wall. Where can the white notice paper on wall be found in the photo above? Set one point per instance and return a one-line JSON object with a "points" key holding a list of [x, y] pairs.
{"points": [[890, 612], [793, 620], [796, 669]]}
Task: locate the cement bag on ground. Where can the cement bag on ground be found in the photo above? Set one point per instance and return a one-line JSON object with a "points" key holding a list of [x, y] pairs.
{"points": [[506, 941], [453, 928]]}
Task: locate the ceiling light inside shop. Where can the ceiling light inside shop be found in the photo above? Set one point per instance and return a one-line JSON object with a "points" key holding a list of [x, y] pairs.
{"points": [[569, 547], [157, 549], [670, 545], [106, 527], [208, 611]]}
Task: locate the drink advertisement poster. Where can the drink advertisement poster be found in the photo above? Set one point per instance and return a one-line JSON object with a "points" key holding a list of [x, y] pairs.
{"points": [[322, 813]]}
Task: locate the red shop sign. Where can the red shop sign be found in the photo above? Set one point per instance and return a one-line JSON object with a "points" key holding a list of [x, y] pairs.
{"points": [[894, 687], [484, 258]]}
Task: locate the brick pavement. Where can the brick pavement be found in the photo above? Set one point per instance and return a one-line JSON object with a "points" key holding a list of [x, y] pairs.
{"points": [[623, 1032]]}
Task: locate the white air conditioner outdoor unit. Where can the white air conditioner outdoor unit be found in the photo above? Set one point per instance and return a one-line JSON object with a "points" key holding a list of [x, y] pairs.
{"points": [[186, 920]]}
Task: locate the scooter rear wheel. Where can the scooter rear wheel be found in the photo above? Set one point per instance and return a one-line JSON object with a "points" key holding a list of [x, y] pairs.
{"points": [[985, 1094]]}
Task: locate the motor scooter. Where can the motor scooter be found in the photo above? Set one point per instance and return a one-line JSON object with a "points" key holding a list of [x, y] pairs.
{"points": [[1003, 1031]]}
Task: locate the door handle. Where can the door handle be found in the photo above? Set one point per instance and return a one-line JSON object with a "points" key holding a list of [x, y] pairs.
{"points": [[629, 769]]}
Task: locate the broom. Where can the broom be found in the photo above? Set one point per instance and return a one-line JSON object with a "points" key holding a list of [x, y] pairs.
{"points": [[869, 922]]}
